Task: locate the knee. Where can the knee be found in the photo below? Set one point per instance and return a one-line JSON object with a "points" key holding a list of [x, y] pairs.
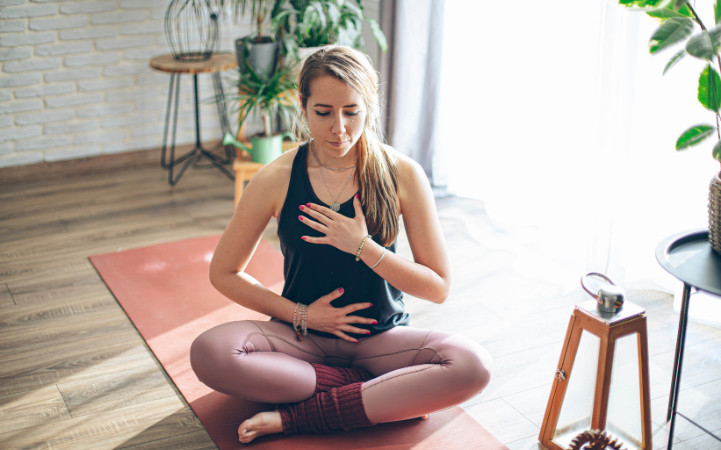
{"points": [[212, 351], [203, 353], [473, 368]]}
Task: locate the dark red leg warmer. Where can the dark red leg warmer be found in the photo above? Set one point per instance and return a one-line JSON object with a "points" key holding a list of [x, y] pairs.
{"points": [[339, 408], [328, 377]]}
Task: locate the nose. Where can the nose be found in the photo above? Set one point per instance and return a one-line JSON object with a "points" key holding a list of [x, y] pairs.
{"points": [[339, 124]]}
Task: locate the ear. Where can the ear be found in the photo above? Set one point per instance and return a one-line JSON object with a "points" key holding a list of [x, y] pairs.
{"points": [[300, 102]]}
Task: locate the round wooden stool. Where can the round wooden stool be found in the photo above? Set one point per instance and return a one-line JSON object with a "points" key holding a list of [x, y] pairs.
{"points": [[217, 63]]}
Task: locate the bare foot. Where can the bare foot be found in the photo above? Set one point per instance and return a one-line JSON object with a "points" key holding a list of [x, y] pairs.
{"points": [[267, 422]]}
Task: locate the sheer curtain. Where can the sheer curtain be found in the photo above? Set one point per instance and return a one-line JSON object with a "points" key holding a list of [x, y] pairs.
{"points": [[412, 72], [560, 120]]}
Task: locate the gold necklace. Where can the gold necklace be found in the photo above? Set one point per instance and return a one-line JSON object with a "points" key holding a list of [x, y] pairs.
{"points": [[335, 206]]}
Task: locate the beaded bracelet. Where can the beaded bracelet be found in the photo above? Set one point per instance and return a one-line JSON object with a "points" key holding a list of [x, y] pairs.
{"points": [[304, 319], [360, 247], [298, 336], [300, 321], [380, 259]]}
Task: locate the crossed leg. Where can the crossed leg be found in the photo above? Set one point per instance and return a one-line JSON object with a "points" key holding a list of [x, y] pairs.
{"points": [[416, 372]]}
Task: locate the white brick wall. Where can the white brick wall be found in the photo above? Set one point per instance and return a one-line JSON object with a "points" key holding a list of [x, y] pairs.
{"points": [[75, 80]]}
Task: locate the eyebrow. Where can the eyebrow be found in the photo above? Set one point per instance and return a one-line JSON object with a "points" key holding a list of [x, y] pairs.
{"points": [[322, 105]]}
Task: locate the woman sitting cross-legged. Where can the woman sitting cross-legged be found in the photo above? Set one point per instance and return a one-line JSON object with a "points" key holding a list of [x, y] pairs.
{"points": [[338, 352]]}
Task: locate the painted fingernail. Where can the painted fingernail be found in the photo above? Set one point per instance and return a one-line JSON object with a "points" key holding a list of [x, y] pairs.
{"points": [[300, 217], [308, 205], [371, 305], [340, 290], [368, 331], [302, 207], [357, 196], [375, 322], [304, 238]]}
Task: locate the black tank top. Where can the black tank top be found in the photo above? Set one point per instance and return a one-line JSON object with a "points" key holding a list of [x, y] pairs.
{"points": [[314, 270]]}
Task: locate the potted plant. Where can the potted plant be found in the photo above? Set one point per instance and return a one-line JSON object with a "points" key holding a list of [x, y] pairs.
{"points": [[261, 47], [681, 25], [272, 96], [309, 24]]}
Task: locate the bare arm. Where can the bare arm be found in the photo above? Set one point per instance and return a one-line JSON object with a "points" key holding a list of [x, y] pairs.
{"points": [[428, 275], [261, 200]]}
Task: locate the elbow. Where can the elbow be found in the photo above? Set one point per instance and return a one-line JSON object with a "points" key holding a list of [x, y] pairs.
{"points": [[217, 277], [214, 279], [441, 298], [444, 291]]}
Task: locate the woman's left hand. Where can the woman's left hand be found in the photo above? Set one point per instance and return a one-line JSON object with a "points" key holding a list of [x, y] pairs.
{"points": [[343, 233]]}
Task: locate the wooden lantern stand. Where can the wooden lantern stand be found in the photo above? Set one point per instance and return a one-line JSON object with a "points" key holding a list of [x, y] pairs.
{"points": [[632, 320]]}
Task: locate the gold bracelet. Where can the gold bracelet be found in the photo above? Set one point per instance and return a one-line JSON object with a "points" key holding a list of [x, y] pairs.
{"points": [[380, 259], [360, 247]]}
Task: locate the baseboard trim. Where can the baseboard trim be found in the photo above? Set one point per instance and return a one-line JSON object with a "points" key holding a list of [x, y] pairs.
{"points": [[83, 166]]}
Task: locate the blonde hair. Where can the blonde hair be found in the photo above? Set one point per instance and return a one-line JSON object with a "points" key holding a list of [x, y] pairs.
{"points": [[376, 167]]}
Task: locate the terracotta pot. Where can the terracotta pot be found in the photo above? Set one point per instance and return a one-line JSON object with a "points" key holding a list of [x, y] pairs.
{"points": [[714, 213]]}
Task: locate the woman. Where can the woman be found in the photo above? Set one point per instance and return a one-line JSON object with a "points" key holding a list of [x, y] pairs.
{"points": [[338, 352]]}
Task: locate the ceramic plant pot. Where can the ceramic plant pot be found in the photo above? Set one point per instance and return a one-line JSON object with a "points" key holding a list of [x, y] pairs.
{"points": [[714, 213], [261, 56], [266, 149]]}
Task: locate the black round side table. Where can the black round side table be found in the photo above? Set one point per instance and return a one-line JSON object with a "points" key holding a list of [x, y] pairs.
{"points": [[689, 257]]}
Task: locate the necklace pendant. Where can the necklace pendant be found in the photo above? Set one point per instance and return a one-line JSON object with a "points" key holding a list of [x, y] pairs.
{"points": [[335, 206]]}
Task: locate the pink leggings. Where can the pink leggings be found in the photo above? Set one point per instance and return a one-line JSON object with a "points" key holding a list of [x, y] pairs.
{"points": [[416, 371]]}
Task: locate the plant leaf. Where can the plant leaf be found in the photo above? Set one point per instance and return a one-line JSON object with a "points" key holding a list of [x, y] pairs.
{"points": [[380, 37], [705, 44], [709, 89], [716, 153], [717, 11], [670, 32], [641, 3], [665, 13], [672, 62], [693, 136]]}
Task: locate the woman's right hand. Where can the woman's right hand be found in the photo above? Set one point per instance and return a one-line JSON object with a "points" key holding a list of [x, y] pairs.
{"points": [[322, 316]]}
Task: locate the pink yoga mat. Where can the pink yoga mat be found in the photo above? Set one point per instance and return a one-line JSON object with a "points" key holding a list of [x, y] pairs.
{"points": [[165, 291]]}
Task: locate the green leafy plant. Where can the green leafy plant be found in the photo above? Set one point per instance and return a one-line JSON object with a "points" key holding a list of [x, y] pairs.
{"points": [[314, 23], [261, 12], [680, 24], [271, 96]]}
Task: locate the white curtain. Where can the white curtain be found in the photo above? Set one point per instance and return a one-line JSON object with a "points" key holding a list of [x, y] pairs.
{"points": [[412, 73], [560, 120]]}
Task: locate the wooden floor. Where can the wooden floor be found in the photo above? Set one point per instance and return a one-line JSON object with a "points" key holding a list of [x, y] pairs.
{"points": [[74, 372]]}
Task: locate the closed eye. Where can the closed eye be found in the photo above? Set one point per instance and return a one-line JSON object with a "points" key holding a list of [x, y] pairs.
{"points": [[322, 114]]}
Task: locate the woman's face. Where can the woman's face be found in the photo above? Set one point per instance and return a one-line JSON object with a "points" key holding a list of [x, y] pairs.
{"points": [[336, 116]]}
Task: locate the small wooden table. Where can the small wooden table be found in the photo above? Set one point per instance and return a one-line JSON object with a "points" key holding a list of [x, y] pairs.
{"points": [[244, 170], [217, 63]]}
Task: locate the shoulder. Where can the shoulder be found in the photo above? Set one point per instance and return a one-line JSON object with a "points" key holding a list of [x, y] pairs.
{"points": [[270, 184], [412, 180], [409, 171], [280, 166]]}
